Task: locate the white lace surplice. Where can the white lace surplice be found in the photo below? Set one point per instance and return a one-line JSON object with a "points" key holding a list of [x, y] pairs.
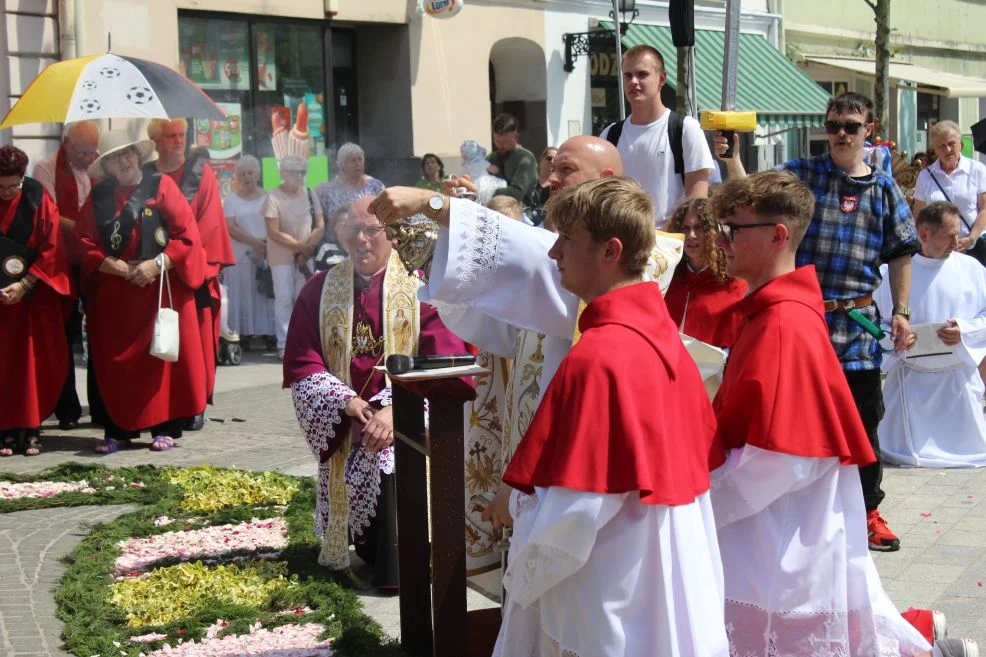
{"points": [[799, 576], [594, 575], [318, 402]]}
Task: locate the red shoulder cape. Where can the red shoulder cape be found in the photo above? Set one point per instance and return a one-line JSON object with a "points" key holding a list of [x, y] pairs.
{"points": [[703, 307], [783, 389], [626, 410]]}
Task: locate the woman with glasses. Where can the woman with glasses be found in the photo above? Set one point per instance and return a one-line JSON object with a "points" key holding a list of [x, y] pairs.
{"points": [[432, 172], [701, 295], [134, 228], [250, 312], [294, 228], [34, 289]]}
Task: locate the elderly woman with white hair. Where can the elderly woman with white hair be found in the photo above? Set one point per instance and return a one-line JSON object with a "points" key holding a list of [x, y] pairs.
{"points": [[350, 183], [250, 311], [294, 228], [956, 179]]}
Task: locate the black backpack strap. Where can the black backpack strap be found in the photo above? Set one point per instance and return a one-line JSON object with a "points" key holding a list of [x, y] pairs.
{"points": [[615, 130], [676, 130]]}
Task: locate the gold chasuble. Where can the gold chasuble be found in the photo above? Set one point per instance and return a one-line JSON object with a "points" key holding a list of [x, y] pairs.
{"points": [[401, 325]]}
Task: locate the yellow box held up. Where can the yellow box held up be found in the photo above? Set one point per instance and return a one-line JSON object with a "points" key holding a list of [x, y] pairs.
{"points": [[729, 121]]}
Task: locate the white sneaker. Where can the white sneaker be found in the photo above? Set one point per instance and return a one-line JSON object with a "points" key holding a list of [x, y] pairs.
{"points": [[956, 648]]}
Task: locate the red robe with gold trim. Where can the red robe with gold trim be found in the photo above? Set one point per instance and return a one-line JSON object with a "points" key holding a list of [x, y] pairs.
{"points": [[32, 332], [139, 390]]}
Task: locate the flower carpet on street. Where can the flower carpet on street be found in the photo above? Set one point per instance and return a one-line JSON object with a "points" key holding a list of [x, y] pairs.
{"points": [[213, 563], [137, 554]]}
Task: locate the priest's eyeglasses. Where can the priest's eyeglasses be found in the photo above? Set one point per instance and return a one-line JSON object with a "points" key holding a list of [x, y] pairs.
{"points": [[12, 188], [728, 229], [370, 231]]}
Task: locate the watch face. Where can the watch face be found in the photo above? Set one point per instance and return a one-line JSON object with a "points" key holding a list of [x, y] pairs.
{"points": [[436, 203]]}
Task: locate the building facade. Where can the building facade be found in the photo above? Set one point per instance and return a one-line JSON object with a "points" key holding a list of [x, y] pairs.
{"points": [[401, 84], [938, 63]]}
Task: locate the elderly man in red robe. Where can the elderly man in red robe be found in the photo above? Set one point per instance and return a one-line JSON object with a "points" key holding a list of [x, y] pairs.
{"points": [[346, 321], [65, 176], [34, 286], [198, 184], [134, 227]]}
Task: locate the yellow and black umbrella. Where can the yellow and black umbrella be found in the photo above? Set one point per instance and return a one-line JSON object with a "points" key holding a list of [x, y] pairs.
{"points": [[110, 87]]}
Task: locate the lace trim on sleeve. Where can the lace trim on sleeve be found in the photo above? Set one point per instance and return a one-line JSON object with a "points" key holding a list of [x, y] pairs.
{"points": [[481, 237], [538, 569], [318, 402]]}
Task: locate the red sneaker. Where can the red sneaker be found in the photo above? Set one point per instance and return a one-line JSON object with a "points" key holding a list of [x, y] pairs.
{"points": [[929, 622], [881, 538]]}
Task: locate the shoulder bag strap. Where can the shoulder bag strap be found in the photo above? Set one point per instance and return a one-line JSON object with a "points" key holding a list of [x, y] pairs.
{"points": [[311, 206], [945, 194]]}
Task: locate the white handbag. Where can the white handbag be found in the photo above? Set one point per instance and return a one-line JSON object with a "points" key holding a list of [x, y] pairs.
{"points": [[164, 344]]}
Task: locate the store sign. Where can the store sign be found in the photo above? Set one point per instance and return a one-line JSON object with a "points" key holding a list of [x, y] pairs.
{"points": [[441, 8], [604, 64]]}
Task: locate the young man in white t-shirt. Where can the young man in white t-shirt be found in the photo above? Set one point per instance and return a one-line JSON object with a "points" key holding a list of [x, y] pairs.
{"points": [[645, 145]]}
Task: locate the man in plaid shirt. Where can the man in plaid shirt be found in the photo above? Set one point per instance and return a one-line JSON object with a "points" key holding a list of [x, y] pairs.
{"points": [[861, 220]]}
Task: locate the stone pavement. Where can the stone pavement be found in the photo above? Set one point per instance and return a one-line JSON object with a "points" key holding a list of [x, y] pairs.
{"points": [[940, 515]]}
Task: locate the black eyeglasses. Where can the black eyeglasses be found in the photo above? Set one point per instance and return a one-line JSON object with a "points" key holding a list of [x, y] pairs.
{"points": [[728, 230], [851, 127]]}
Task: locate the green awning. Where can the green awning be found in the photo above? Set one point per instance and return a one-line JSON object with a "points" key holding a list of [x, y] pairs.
{"points": [[781, 94]]}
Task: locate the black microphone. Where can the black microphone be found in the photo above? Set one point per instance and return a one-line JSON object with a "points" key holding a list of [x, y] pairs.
{"points": [[397, 364]]}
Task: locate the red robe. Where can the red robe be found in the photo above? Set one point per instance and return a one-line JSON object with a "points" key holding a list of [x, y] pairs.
{"points": [[701, 305], [783, 389], [67, 198], [32, 333], [626, 410], [139, 390], [207, 207]]}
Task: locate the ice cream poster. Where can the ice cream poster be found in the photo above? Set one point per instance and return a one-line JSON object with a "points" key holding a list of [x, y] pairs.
{"points": [[224, 139]]}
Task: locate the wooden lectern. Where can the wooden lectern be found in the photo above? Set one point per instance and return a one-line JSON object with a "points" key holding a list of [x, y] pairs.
{"points": [[434, 620]]}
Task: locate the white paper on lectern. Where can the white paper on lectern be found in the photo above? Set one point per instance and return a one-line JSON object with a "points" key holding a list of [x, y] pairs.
{"points": [[441, 373], [928, 344]]}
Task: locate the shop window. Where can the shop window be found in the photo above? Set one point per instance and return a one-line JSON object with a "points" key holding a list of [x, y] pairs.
{"points": [[290, 66], [259, 72]]}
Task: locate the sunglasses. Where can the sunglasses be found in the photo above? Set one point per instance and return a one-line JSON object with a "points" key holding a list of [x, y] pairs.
{"points": [[851, 127], [728, 230]]}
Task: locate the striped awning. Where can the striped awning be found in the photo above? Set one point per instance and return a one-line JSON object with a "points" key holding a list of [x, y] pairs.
{"points": [[781, 94]]}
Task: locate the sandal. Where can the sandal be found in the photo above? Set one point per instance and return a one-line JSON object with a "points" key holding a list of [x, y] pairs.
{"points": [[9, 445], [162, 443], [111, 446], [32, 445]]}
